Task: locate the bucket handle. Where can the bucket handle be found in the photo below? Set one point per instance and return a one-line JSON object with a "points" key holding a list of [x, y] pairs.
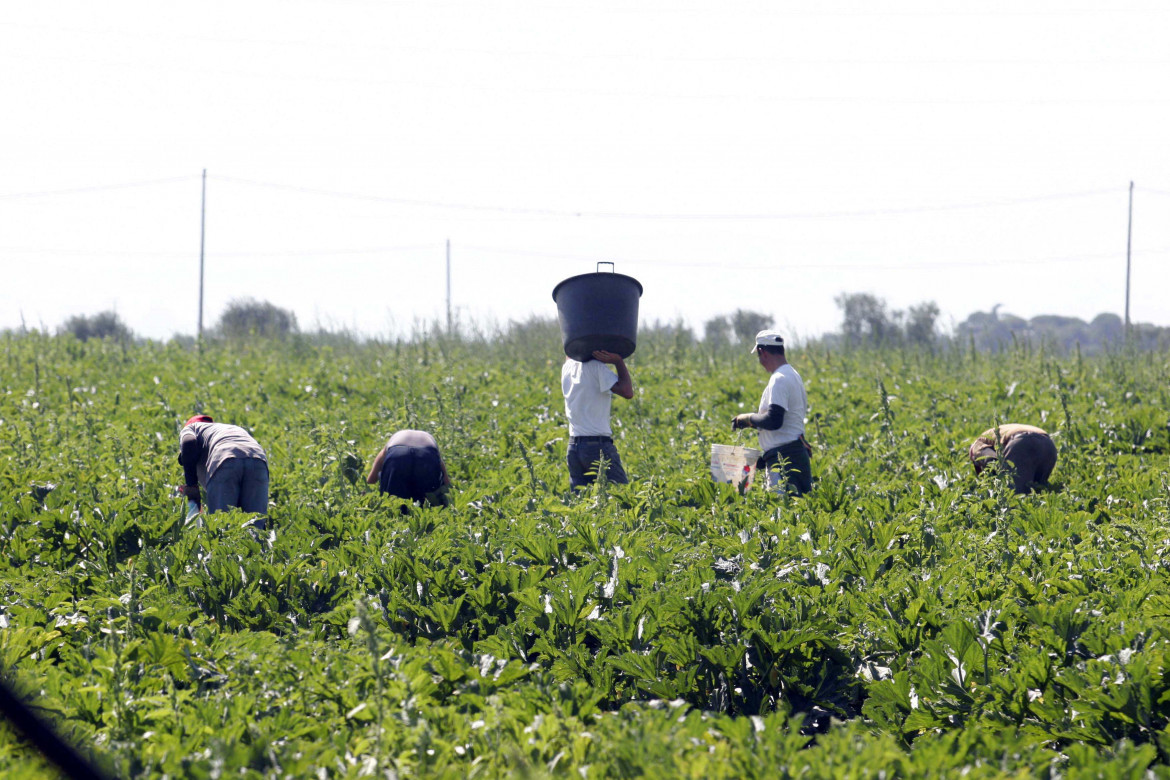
{"points": [[605, 262]]}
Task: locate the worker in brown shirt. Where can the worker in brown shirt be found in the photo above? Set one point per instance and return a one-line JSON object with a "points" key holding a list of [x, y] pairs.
{"points": [[227, 462], [1029, 451]]}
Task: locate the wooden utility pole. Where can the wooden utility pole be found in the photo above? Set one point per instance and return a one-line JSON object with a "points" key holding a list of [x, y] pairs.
{"points": [[448, 287], [202, 230], [1128, 247]]}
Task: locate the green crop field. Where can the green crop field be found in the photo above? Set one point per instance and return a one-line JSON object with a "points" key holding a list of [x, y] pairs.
{"points": [[906, 619]]}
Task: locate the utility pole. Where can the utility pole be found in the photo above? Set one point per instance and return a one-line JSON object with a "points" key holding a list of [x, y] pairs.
{"points": [[202, 230], [448, 287], [1128, 246]]}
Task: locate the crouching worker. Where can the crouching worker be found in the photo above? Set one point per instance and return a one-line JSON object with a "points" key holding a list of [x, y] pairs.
{"points": [[227, 462], [1029, 451], [410, 467], [780, 419]]}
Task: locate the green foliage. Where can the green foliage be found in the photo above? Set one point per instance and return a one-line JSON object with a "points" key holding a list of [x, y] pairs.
{"points": [[905, 617], [104, 325], [741, 326], [246, 318], [994, 331], [868, 321]]}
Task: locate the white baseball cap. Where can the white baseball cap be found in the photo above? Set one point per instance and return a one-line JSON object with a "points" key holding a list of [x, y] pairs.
{"points": [[768, 338]]}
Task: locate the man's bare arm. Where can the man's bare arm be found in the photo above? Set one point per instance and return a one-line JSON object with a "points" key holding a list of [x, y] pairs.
{"points": [[625, 384]]}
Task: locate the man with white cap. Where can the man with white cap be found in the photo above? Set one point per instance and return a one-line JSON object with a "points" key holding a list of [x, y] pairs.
{"points": [[780, 419]]}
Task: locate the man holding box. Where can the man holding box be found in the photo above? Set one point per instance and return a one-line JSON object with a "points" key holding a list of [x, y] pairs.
{"points": [[780, 419]]}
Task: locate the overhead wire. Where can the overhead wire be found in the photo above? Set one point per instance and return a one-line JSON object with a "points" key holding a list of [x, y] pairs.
{"points": [[608, 55], [515, 87], [787, 266], [562, 213], [580, 213], [627, 215], [537, 254], [215, 254], [97, 188]]}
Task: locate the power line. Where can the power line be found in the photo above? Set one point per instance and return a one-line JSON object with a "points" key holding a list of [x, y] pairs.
{"points": [[513, 87], [213, 255], [96, 188], [437, 246], [606, 55], [781, 265], [753, 11], [582, 214], [536, 254]]}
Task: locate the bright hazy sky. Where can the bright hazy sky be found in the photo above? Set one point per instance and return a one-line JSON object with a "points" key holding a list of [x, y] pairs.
{"points": [[758, 155]]}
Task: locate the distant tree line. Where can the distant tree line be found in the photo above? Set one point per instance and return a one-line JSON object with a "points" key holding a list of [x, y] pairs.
{"points": [[248, 318], [866, 321], [241, 319], [104, 325], [993, 331]]}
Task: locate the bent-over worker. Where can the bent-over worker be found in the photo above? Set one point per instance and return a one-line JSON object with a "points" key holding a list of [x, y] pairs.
{"points": [[229, 464], [1028, 450], [410, 467]]}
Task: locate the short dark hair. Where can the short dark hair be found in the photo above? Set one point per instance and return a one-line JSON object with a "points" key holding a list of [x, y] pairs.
{"points": [[777, 349]]}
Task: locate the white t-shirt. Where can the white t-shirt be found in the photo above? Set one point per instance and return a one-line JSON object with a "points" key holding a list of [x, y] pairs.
{"points": [[786, 390], [587, 388]]}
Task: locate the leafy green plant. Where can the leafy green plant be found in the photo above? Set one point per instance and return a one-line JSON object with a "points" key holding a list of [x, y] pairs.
{"points": [[904, 615]]}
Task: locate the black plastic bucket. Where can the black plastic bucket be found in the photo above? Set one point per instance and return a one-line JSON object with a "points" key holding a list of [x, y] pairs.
{"points": [[598, 311]]}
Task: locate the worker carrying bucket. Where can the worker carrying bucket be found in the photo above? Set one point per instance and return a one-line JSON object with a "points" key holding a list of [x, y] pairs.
{"points": [[599, 327]]}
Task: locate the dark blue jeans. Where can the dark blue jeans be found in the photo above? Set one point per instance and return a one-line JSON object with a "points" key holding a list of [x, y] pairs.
{"points": [[241, 483], [1031, 456], [788, 468], [584, 457], [411, 472]]}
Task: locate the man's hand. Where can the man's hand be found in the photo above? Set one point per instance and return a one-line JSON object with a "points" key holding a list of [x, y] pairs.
{"points": [[191, 492], [624, 387], [612, 358], [741, 421]]}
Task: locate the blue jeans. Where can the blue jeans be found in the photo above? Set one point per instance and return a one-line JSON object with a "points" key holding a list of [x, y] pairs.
{"points": [[411, 472], [1032, 457], [240, 483], [788, 468], [584, 457]]}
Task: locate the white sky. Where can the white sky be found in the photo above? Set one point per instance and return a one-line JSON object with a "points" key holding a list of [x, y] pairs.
{"points": [[759, 155]]}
